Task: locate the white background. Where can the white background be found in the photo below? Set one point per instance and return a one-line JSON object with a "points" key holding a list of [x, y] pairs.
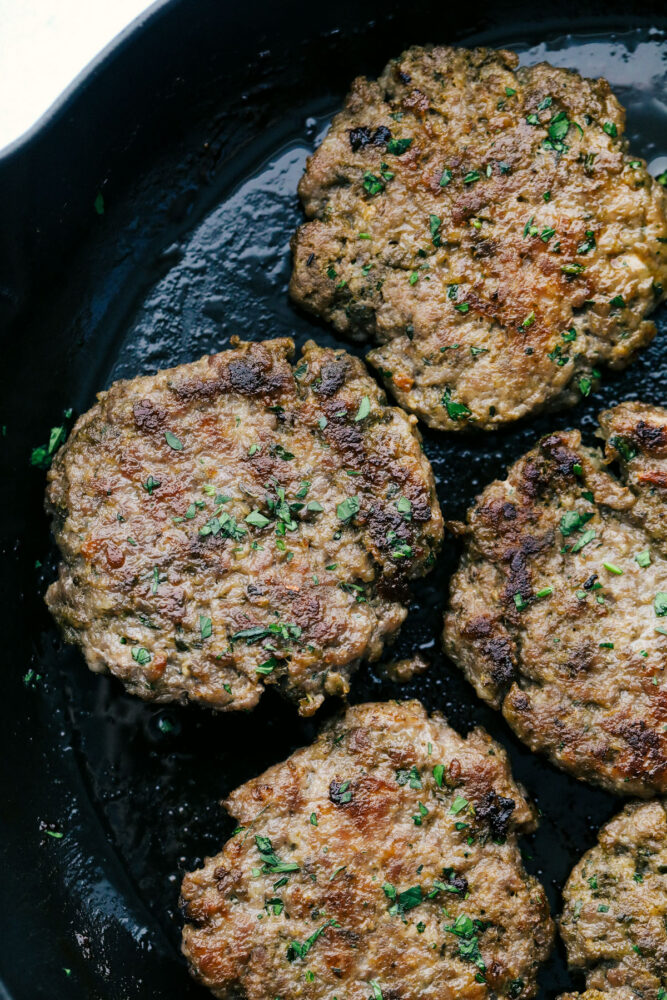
{"points": [[44, 45]]}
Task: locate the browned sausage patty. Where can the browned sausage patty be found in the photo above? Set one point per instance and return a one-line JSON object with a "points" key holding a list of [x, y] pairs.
{"points": [[558, 611], [487, 226], [381, 861], [614, 923], [240, 521]]}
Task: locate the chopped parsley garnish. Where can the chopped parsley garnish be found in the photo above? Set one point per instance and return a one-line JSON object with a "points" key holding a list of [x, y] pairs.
{"points": [[624, 447], [558, 129], [205, 627], [458, 805], [267, 667], [173, 441], [468, 930], [404, 507], [585, 386], [141, 655], [257, 519], [618, 302], [610, 129], [471, 177], [272, 862], [445, 178], [151, 484], [412, 776], [296, 950], [42, 455], [572, 521], [372, 184], [660, 603], [282, 630], [434, 223], [572, 268], [347, 508], [587, 537], [588, 244], [643, 559], [439, 774], [456, 411], [364, 409], [224, 525], [398, 146], [340, 792]]}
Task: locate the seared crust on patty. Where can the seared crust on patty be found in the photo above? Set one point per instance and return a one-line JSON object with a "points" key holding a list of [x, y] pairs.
{"points": [[382, 860], [487, 226], [558, 612], [238, 522], [614, 923]]}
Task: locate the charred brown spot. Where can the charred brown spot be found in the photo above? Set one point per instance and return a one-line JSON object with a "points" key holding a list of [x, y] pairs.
{"points": [[646, 748], [247, 378], [499, 652], [496, 811], [417, 101], [563, 457], [332, 378], [363, 136], [649, 436], [147, 416], [348, 440]]}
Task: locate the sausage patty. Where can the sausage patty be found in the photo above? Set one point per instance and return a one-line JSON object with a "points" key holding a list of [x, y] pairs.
{"points": [[381, 861], [487, 226], [614, 922], [240, 521], [558, 611]]}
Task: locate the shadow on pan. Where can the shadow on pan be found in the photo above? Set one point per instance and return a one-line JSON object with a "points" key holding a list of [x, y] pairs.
{"points": [[145, 222]]}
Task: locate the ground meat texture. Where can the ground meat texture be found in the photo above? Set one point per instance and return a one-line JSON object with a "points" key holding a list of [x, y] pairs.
{"points": [[240, 521], [498, 246], [558, 611], [394, 887], [614, 921]]}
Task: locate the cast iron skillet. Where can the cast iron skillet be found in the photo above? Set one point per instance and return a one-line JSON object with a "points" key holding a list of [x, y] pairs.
{"points": [[194, 129]]}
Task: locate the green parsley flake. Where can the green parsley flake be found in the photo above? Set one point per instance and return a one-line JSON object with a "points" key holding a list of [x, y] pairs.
{"points": [[347, 508], [573, 521], [257, 519], [173, 441], [364, 409], [660, 603], [141, 655], [587, 537], [455, 411], [398, 146]]}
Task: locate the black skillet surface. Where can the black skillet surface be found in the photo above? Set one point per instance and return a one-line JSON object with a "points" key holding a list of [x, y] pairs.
{"points": [[194, 130]]}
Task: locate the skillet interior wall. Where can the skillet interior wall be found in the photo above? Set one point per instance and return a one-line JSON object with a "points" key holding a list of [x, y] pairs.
{"points": [[168, 127]]}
